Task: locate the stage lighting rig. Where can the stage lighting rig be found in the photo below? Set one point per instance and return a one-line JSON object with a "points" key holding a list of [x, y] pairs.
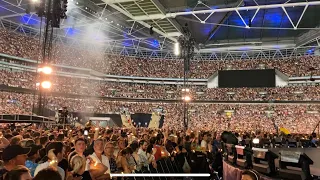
{"points": [[185, 48], [52, 10]]}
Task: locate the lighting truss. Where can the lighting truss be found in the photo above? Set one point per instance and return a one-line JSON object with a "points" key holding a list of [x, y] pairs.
{"points": [[103, 23], [309, 37], [234, 9], [123, 11]]}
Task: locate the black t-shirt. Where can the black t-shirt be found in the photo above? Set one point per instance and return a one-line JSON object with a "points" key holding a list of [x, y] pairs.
{"points": [[64, 164], [2, 173], [85, 176]]}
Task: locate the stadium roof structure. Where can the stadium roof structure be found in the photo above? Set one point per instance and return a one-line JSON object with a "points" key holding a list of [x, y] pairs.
{"points": [[222, 29]]}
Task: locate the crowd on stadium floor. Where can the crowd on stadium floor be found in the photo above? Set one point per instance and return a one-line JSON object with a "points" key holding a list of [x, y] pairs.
{"points": [[27, 47], [31, 152], [241, 117], [89, 152], [82, 86]]}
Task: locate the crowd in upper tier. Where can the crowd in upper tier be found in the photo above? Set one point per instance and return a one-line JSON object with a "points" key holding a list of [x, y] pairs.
{"points": [[26, 47], [82, 86], [241, 117]]}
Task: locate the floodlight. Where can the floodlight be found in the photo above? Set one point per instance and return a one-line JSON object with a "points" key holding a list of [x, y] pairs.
{"points": [[186, 98], [46, 84], [46, 70], [34, 1], [177, 49]]}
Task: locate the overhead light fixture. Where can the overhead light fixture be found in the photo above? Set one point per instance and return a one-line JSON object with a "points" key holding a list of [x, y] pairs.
{"points": [[177, 49]]}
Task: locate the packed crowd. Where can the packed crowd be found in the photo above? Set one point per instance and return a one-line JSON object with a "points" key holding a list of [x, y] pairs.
{"points": [[36, 152], [83, 86], [241, 117], [92, 153], [26, 47]]}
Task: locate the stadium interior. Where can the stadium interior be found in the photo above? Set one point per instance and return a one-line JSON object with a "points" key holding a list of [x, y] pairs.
{"points": [[229, 88]]}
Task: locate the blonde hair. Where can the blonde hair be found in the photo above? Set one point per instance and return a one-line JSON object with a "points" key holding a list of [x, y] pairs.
{"points": [[77, 163], [53, 158]]}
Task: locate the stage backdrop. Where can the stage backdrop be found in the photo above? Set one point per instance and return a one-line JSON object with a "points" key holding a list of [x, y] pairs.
{"points": [[143, 118]]}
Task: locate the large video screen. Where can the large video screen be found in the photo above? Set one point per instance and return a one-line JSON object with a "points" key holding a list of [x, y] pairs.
{"points": [[247, 78]]}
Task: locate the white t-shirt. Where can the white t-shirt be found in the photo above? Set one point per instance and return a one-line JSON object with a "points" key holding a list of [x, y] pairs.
{"points": [[46, 165], [105, 160], [204, 144]]}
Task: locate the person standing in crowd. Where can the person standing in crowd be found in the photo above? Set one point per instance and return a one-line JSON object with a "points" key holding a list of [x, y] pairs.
{"points": [[33, 156], [314, 140], [78, 165], [79, 146], [204, 144], [124, 157], [216, 144], [136, 162], [109, 153], [18, 173], [98, 156], [49, 174], [107, 135], [12, 156], [143, 145], [43, 142], [150, 155], [55, 153], [187, 144], [156, 146], [121, 146], [3, 141]]}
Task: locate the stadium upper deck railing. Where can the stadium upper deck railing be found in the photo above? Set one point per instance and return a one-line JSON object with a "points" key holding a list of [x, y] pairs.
{"points": [[20, 118]]}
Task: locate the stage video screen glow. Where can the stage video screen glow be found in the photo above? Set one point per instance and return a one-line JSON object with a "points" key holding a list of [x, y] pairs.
{"points": [[247, 78]]}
